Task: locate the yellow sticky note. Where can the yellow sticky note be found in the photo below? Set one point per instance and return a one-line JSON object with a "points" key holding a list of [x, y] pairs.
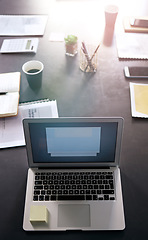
{"points": [[141, 98], [38, 214]]}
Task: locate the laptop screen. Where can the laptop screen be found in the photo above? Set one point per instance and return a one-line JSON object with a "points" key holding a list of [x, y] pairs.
{"points": [[72, 141]]}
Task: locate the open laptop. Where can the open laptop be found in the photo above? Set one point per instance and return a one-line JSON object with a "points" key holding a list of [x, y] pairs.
{"points": [[74, 177]]}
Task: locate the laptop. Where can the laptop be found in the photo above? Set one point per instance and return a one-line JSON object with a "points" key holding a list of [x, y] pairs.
{"points": [[74, 176]]}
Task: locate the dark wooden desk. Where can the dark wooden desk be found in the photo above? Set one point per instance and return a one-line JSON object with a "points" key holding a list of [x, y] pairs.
{"points": [[105, 93]]}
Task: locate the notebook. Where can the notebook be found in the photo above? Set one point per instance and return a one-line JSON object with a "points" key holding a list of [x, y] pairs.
{"points": [[9, 93], [132, 45], [74, 176], [132, 29], [139, 100]]}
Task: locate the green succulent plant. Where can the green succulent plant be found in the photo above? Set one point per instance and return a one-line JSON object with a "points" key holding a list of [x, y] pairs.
{"points": [[71, 39]]}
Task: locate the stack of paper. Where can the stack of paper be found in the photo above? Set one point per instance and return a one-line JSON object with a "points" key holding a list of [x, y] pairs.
{"points": [[11, 129]]}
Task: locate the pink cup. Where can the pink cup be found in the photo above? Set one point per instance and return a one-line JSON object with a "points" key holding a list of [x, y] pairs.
{"points": [[111, 12]]}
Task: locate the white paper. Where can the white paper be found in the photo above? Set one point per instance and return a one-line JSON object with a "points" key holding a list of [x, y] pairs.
{"points": [[56, 37], [9, 103], [11, 128], [132, 45], [22, 25], [10, 82]]}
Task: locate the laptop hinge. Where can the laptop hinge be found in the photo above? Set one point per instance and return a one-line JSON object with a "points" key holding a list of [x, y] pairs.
{"points": [[74, 167]]}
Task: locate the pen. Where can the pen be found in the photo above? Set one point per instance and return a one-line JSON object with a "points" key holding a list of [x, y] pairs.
{"points": [[93, 56], [87, 56], [3, 93]]}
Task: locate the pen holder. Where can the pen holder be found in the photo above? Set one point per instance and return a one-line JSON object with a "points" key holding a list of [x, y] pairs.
{"points": [[88, 62]]}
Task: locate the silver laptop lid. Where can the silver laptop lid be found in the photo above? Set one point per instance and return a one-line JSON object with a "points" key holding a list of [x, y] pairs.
{"points": [[73, 142]]}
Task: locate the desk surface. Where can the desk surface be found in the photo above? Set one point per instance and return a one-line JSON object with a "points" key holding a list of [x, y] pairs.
{"points": [[105, 93]]}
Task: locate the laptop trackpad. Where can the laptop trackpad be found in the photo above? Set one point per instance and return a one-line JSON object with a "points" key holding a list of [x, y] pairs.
{"points": [[73, 215]]}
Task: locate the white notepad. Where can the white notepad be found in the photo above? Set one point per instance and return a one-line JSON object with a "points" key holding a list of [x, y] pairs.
{"points": [[9, 93], [132, 45]]}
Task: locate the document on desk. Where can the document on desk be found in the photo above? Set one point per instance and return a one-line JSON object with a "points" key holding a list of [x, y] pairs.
{"points": [[22, 25], [11, 129], [139, 100], [132, 45]]}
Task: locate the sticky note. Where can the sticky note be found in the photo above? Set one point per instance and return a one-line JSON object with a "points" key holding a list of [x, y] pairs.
{"points": [[38, 214], [56, 37]]}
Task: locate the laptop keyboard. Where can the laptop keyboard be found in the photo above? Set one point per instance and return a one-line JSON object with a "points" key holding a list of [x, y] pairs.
{"points": [[62, 186]]}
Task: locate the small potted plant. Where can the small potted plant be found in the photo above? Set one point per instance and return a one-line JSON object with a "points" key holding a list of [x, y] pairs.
{"points": [[71, 45]]}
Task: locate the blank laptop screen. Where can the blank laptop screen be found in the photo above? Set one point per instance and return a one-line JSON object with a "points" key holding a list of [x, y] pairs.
{"points": [[73, 142]]}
